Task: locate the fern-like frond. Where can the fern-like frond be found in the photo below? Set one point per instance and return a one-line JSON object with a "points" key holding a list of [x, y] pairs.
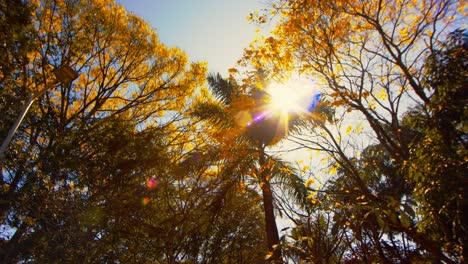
{"points": [[222, 89], [288, 179], [213, 113]]}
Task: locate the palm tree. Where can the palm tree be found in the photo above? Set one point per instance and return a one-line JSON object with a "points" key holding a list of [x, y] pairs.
{"points": [[254, 133]]}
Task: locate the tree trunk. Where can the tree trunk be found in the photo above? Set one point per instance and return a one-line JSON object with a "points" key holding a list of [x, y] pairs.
{"points": [[270, 222]]}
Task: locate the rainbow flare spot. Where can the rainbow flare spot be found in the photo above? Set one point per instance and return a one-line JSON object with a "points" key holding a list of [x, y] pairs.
{"points": [[151, 183]]}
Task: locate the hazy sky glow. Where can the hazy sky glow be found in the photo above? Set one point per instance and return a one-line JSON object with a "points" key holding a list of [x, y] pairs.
{"points": [[215, 31]]}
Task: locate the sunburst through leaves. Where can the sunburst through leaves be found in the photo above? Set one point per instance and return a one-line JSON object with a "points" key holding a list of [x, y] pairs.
{"points": [[297, 96]]}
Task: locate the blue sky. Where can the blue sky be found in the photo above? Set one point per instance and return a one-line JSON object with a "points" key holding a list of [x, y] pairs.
{"points": [[215, 31]]}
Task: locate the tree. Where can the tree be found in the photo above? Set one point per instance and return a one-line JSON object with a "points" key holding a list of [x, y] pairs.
{"points": [[16, 30], [231, 104], [372, 237], [108, 168], [376, 61], [312, 240], [74, 175], [438, 167], [242, 127]]}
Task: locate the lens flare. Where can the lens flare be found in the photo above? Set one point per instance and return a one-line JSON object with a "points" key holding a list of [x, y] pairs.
{"points": [[151, 183], [298, 95], [292, 99]]}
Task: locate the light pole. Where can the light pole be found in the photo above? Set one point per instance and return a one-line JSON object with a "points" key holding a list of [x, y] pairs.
{"points": [[65, 75]]}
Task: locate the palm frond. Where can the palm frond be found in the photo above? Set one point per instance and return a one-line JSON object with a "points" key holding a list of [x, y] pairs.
{"points": [[322, 113], [286, 177], [212, 112], [222, 88]]}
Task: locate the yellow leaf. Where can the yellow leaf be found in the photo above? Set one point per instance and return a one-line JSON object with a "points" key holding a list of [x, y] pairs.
{"points": [[311, 195], [348, 130], [333, 170], [309, 182], [315, 201], [359, 127], [382, 95]]}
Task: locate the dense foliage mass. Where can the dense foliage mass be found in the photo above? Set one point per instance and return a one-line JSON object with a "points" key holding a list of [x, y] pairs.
{"points": [[136, 161]]}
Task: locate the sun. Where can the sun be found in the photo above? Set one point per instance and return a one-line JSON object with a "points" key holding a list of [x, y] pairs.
{"points": [[283, 98], [297, 95]]}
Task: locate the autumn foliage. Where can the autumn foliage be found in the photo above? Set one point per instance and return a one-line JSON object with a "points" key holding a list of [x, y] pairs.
{"points": [[145, 158], [380, 64]]}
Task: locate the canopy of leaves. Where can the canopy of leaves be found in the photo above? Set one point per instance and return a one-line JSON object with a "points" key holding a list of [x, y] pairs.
{"points": [[136, 161], [395, 66], [101, 170]]}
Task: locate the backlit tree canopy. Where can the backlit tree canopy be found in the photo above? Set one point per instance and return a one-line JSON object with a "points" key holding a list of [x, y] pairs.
{"points": [[92, 173], [385, 65], [144, 158]]}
